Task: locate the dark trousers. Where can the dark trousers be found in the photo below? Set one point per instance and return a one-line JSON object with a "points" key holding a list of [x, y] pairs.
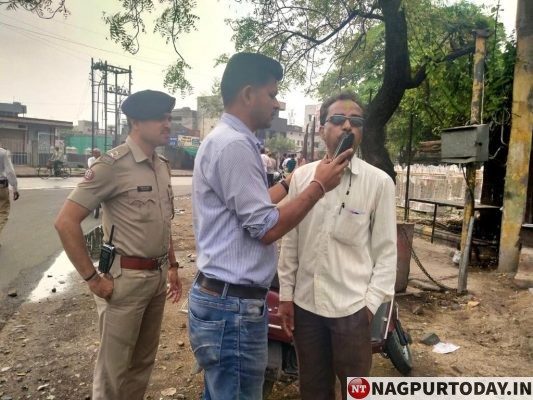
{"points": [[329, 347]]}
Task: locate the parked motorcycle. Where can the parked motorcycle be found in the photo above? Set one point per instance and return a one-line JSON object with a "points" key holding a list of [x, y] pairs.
{"points": [[279, 175], [388, 338]]}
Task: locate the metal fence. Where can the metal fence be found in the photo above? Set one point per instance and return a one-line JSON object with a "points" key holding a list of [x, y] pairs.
{"points": [[443, 182]]}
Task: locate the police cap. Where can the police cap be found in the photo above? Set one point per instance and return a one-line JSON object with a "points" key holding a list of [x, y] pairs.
{"points": [[148, 104]]}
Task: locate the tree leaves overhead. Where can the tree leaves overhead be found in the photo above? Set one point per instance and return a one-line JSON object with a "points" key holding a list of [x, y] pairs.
{"points": [[175, 18], [303, 34], [45, 9]]}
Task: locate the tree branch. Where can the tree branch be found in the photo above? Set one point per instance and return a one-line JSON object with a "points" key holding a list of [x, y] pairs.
{"points": [[421, 74]]}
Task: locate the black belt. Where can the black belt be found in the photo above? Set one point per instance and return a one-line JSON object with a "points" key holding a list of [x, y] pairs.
{"points": [[242, 291]]}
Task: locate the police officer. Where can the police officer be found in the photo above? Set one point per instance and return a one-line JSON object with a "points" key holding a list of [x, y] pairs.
{"points": [[7, 177], [133, 184]]}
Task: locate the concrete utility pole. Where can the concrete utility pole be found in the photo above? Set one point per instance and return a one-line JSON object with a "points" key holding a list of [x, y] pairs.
{"points": [[475, 118], [516, 178]]}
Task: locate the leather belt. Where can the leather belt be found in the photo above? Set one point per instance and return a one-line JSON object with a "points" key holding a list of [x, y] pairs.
{"points": [[130, 262], [242, 291]]}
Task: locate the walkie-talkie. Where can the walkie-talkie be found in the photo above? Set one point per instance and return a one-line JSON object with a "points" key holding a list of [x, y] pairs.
{"points": [[107, 254]]}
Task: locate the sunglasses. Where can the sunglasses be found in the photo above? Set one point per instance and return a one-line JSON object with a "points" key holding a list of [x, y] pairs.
{"points": [[338, 119]]}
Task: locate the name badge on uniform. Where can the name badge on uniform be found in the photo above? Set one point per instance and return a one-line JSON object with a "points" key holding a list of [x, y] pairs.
{"points": [[144, 188]]}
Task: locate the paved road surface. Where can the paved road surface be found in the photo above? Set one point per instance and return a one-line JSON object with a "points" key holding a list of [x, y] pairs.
{"points": [[29, 240]]}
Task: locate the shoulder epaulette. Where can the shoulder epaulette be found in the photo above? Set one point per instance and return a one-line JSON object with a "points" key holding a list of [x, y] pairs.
{"points": [[115, 154], [163, 158]]}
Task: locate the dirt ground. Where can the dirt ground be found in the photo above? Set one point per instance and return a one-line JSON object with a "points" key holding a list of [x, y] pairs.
{"points": [[48, 349]]}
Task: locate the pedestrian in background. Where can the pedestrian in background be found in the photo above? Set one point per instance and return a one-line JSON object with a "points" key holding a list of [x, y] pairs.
{"points": [[271, 169], [7, 178], [95, 155], [133, 184]]}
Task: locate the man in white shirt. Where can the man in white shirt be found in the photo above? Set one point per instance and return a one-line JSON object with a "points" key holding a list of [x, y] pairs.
{"points": [[339, 264], [7, 177], [96, 154]]}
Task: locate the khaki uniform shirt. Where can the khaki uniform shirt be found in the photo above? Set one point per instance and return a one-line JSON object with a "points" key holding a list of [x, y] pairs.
{"points": [[136, 196]]}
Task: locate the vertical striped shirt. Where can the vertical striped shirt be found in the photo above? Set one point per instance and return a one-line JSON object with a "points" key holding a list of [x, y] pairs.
{"points": [[342, 255], [232, 209]]}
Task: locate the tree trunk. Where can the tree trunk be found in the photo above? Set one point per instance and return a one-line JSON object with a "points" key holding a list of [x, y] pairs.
{"points": [[520, 144], [396, 78]]}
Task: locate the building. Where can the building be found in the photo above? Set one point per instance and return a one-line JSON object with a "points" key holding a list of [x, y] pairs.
{"points": [[210, 108], [312, 112], [297, 135], [30, 140], [85, 128], [184, 117]]}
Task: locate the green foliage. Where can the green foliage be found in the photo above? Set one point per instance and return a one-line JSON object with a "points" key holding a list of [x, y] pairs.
{"points": [[174, 19], [443, 98], [46, 9], [175, 78], [279, 144]]}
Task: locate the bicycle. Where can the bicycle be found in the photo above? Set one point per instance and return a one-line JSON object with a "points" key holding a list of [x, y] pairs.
{"points": [[47, 171]]}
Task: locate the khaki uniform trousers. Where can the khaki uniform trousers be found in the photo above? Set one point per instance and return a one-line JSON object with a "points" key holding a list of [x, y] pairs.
{"points": [[130, 325], [4, 207]]}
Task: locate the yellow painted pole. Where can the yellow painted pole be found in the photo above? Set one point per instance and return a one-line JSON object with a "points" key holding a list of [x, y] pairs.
{"points": [[516, 178], [475, 118]]}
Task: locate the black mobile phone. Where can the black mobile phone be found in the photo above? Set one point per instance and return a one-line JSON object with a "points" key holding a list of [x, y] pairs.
{"points": [[345, 143]]}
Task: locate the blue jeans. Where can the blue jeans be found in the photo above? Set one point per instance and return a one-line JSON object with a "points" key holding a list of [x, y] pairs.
{"points": [[228, 336]]}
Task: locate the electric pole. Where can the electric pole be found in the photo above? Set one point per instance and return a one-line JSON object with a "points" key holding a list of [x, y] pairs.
{"points": [[101, 84]]}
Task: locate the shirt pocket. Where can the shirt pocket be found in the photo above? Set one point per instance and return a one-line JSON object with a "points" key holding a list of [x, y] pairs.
{"points": [[143, 205], [351, 227]]}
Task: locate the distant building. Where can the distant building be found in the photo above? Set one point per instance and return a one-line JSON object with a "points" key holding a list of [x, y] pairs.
{"points": [[277, 127], [185, 117], [313, 111], [209, 110], [297, 135], [29, 140], [85, 128]]}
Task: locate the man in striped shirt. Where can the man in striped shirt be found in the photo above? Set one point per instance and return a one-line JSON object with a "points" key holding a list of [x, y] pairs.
{"points": [[236, 222]]}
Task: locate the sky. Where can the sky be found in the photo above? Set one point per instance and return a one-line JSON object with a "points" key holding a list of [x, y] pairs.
{"points": [[45, 64]]}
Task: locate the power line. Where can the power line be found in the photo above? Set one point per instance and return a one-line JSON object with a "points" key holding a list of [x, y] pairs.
{"points": [[100, 33], [81, 44]]}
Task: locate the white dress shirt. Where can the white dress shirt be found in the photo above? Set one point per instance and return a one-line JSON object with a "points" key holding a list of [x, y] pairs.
{"points": [[340, 259], [6, 169]]}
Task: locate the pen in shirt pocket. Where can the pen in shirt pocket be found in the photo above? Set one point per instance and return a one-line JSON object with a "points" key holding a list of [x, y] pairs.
{"points": [[355, 212], [351, 210]]}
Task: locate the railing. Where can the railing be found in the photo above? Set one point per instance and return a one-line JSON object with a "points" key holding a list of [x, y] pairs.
{"points": [[443, 182]]}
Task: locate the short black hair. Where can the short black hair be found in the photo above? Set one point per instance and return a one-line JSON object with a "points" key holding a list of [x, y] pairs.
{"points": [[346, 95], [247, 69]]}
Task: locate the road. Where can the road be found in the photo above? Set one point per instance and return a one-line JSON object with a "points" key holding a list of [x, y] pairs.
{"points": [[29, 241]]}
